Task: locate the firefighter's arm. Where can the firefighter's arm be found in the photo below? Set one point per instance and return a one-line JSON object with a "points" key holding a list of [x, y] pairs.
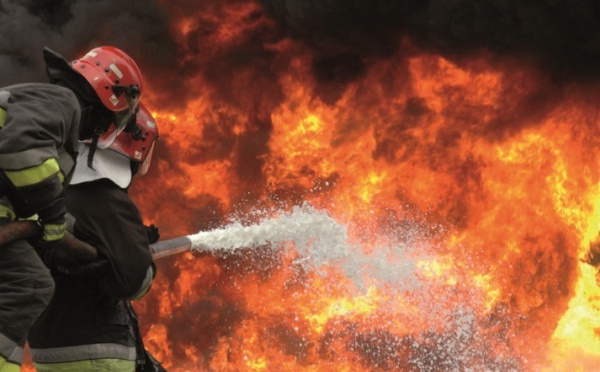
{"points": [[38, 190], [153, 236], [72, 256], [35, 126], [107, 219], [123, 240]]}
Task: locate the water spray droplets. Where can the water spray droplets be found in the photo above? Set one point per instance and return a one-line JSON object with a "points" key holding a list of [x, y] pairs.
{"points": [[317, 237]]}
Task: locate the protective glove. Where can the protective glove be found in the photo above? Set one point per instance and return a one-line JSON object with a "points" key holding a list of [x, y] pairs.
{"points": [[52, 218], [46, 241], [59, 260], [152, 233]]}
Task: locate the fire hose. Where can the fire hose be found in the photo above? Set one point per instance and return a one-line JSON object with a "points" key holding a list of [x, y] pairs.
{"points": [[78, 249], [30, 229]]}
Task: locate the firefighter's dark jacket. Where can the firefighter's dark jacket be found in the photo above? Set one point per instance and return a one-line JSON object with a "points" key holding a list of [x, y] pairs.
{"points": [[38, 146], [88, 312]]}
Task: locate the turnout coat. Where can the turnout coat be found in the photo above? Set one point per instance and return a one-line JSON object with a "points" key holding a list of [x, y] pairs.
{"points": [[87, 320], [39, 126]]}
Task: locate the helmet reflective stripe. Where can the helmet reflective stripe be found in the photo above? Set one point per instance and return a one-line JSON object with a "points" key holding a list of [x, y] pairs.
{"points": [[116, 70]]}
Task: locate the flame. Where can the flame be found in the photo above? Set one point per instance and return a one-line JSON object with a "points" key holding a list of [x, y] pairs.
{"points": [[470, 190], [489, 186]]}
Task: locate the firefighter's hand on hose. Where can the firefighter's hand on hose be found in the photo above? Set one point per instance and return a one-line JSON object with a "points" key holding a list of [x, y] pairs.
{"points": [[58, 260], [52, 220], [45, 243], [65, 262], [53, 257], [53, 230], [153, 234]]}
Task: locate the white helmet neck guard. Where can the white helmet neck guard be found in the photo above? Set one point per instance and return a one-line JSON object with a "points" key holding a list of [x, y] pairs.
{"points": [[107, 164]]}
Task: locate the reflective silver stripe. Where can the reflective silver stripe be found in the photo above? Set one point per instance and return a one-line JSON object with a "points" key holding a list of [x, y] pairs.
{"points": [[17, 355], [65, 162], [4, 96], [26, 159], [10, 349], [82, 352], [70, 222], [145, 284]]}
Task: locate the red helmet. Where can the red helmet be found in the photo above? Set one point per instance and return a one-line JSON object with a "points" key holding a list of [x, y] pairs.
{"points": [[117, 80], [138, 142], [111, 72]]}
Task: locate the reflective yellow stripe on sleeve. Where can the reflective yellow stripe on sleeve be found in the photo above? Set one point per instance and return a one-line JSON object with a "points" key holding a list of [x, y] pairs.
{"points": [[7, 366], [2, 117], [7, 213], [53, 232], [33, 175]]}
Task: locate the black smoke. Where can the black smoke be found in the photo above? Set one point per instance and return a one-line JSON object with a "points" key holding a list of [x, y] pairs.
{"points": [[72, 27], [562, 37]]}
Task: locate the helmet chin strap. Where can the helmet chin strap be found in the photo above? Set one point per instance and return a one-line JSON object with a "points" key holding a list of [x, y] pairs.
{"points": [[93, 146]]}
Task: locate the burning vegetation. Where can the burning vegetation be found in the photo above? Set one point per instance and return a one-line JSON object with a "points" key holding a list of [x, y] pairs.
{"points": [[458, 143]]}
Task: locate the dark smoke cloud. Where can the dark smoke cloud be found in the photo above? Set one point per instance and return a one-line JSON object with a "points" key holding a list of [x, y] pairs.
{"points": [[71, 27], [562, 36]]}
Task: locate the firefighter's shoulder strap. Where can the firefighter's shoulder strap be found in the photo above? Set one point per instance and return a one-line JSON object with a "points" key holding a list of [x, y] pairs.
{"points": [[4, 95]]}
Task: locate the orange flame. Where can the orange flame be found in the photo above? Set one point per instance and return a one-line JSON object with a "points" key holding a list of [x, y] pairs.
{"points": [[487, 178], [474, 182]]}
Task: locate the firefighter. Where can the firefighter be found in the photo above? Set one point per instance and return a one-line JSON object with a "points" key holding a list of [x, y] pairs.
{"points": [[40, 125], [89, 324]]}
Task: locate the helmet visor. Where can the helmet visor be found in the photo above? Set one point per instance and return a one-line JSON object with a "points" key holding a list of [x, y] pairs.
{"points": [[120, 121], [143, 169], [107, 138]]}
